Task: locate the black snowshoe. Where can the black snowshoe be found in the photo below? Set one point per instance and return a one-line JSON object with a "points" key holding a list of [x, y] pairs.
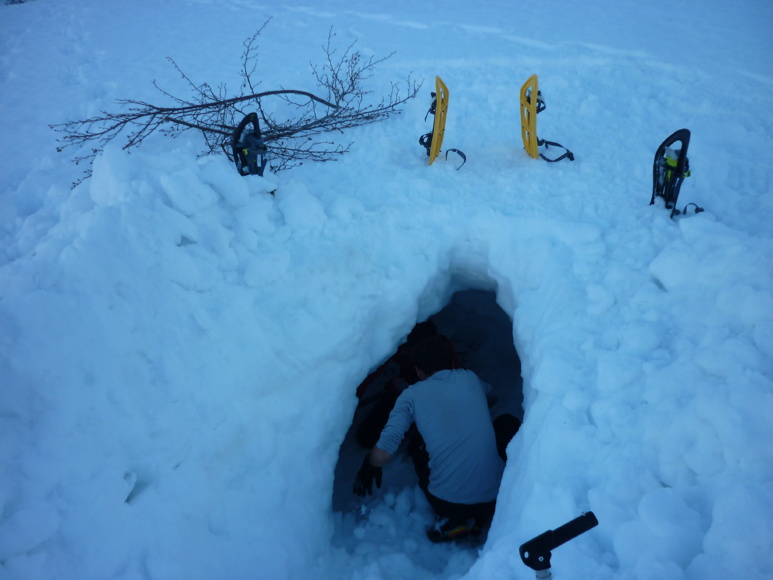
{"points": [[248, 150], [670, 168]]}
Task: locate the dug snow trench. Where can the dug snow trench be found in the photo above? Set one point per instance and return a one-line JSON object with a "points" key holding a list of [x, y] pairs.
{"points": [[388, 528]]}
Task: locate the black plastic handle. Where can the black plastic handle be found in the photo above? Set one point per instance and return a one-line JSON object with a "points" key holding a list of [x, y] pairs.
{"points": [[574, 528], [536, 552]]}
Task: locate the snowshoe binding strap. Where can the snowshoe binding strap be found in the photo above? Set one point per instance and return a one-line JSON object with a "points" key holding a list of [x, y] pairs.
{"points": [[432, 107], [541, 106], [566, 155], [458, 152], [248, 150], [426, 141], [697, 209]]}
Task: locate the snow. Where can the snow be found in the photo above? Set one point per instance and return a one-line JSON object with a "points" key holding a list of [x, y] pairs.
{"points": [[180, 348]]}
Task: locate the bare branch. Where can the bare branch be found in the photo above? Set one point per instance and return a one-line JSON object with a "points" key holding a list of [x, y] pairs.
{"points": [[342, 103]]}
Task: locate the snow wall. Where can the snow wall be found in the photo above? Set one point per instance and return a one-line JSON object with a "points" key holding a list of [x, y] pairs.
{"points": [[228, 329], [203, 340]]}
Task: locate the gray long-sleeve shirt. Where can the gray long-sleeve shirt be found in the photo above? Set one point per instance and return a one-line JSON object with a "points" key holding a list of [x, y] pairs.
{"points": [[451, 413]]}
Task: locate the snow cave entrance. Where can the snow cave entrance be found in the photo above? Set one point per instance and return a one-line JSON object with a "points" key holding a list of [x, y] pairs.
{"points": [[397, 515]]}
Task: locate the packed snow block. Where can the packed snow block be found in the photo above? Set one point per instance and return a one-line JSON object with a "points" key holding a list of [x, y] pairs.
{"points": [[301, 210], [26, 527], [345, 209], [179, 267], [270, 266], [666, 532], [740, 509], [186, 192], [258, 218], [111, 178], [617, 370], [220, 176]]}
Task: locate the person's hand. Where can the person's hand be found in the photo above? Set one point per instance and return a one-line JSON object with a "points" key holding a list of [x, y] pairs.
{"points": [[363, 483]]}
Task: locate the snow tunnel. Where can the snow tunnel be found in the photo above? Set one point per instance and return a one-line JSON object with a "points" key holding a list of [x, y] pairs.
{"points": [[396, 517]]}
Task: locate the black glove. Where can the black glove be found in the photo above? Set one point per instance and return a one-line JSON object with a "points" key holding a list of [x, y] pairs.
{"points": [[363, 483]]}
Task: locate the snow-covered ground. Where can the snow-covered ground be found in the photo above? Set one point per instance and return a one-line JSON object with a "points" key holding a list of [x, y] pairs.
{"points": [[180, 349]]}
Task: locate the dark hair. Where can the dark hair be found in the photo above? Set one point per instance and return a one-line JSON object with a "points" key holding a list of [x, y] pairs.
{"points": [[420, 331], [432, 354]]}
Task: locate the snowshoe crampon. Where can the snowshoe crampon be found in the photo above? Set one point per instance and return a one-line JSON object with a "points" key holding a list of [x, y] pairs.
{"points": [[247, 148], [670, 168]]}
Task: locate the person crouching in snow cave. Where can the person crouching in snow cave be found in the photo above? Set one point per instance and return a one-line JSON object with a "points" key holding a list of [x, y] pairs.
{"points": [[454, 449], [370, 429]]}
